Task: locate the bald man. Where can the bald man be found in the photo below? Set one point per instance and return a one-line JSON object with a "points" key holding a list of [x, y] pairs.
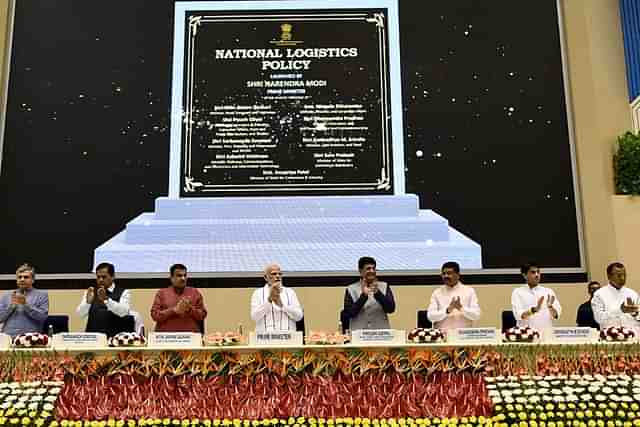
{"points": [[274, 307]]}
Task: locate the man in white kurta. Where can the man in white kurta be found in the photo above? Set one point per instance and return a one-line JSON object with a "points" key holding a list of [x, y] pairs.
{"points": [[453, 305], [274, 307], [534, 305], [615, 304]]}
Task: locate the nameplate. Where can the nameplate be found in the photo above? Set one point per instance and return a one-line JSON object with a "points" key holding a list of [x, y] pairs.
{"points": [[68, 340], [5, 341], [474, 336], [377, 336], [175, 339], [571, 335], [275, 338]]}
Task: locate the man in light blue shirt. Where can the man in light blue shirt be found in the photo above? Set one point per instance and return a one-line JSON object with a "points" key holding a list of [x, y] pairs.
{"points": [[25, 309]]}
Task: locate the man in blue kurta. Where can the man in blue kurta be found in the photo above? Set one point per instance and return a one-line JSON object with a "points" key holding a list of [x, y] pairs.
{"points": [[26, 308]]}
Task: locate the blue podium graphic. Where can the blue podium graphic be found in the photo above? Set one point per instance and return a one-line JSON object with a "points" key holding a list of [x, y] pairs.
{"points": [[286, 146]]}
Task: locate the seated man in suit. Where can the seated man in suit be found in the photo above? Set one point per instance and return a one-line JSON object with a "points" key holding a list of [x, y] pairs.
{"points": [[178, 308], [106, 305], [26, 308], [585, 312], [274, 307], [368, 302]]}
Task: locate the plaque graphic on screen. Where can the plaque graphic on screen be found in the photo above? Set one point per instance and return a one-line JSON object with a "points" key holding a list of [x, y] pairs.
{"points": [[270, 105], [287, 146]]}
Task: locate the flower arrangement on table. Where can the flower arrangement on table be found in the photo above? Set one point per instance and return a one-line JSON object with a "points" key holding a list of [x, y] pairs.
{"points": [[426, 336], [326, 338], [31, 340], [529, 400], [127, 339], [28, 403], [219, 339], [617, 334], [521, 334]]}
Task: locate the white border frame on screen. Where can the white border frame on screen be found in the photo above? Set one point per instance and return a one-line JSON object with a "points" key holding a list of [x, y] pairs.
{"points": [[327, 4]]}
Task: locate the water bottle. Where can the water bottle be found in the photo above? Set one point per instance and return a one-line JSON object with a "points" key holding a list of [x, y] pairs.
{"points": [[50, 333]]}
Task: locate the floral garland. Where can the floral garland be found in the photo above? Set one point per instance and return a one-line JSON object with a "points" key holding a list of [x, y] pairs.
{"points": [[492, 361]]}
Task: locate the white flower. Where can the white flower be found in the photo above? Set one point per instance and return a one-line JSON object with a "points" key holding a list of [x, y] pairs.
{"points": [[54, 390], [575, 377], [492, 393], [53, 383], [517, 391], [33, 406], [607, 390], [547, 398], [489, 379], [491, 386], [556, 391], [544, 384], [19, 405], [496, 400], [29, 390], [11, 398], [572, 398], [626, 399], [598, 377], [622, 390], [585, 397], [509, 399], [5, 405], [36, 398], [543, 391], [528, 383], [593, 388], [615, 397], [584, 383], [636, 397], [558, 398], [23, 398], [521, 400], [534, 399], [506, 392], [47, 407], [601, 397], [500, 378], [568, 390], [570, 382], [50, 398], [513, 385], [530, 391]]}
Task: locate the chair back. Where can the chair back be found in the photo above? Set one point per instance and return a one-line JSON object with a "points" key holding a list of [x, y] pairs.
{"points": [[60, 323], [423, 320], [508, 320]]}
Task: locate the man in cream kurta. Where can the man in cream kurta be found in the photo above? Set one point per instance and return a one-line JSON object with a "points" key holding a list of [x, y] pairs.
{"points": [[615, 304], [453, 305], [274, 307], [534, 305]]}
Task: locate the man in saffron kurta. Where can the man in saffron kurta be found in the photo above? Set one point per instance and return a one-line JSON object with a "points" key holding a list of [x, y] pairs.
{"points": [[178, 308], [453, 305]]}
